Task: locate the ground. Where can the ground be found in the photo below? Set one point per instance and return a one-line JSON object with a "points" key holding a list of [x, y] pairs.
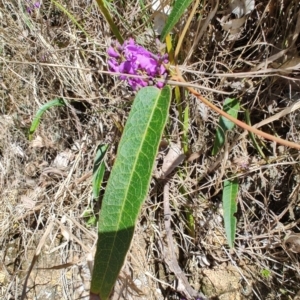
{"points": [[58, 49]]}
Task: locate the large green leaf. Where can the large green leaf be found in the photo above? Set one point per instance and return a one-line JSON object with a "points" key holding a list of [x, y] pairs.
{"points": [[36, 121], [230, 191], [128, 185], [177, 11], [231, 106]]}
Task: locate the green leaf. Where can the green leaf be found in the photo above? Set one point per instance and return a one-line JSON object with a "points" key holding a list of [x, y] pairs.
{"points": [[36, 121], [252, 136], [98, 174], [90, 218], [230, 192], [98, 170], [231, 106], [109, 20], [178, 9], [128, 185]]}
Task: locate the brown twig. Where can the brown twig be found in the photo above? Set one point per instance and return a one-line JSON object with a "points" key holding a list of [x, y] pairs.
{"points": [[239, 123]]}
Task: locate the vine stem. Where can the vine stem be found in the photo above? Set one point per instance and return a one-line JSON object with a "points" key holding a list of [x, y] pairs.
{"points": [[178, 77]]}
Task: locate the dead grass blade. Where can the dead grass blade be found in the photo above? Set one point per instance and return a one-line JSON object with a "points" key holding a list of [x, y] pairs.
{"points": [[236, 121], [282, 52], [183, 285], [208, 19], [35, 257], [279, 115]]}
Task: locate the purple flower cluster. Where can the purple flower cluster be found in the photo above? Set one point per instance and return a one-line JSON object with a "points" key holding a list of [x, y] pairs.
{"points": [[31, 5], [134, 59]]}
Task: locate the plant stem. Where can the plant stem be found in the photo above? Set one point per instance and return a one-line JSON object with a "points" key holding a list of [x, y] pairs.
{"points": [[237, 122], [110, 21]]}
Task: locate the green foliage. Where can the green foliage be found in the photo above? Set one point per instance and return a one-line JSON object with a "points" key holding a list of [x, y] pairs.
{"points": [[265, 273], [252, 136], [98, 170], [230, 191], [128, 185], [178, 10], [231, 106], [90, 218], [98, 173], [106, 14], [36, 121]]}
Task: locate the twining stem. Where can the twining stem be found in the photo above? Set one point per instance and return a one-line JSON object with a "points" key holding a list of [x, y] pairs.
{"points": [[178, 77]]}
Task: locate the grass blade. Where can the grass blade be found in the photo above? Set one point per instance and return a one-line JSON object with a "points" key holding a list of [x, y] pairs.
{"points": [[98, 174], [98, 170], [70, 16], [231, 106], [128, 185], [230, 192], [252, 136], [36, 121], [113, 27], [178, 9]]}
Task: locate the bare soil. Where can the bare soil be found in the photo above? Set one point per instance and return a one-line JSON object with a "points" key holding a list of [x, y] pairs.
{"points": [[59, 51]]}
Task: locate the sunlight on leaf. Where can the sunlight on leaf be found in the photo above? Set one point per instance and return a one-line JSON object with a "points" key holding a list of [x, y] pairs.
{"points": [[178, 10], [230, 191], [98, 170], [36, 121], [128, 185]]}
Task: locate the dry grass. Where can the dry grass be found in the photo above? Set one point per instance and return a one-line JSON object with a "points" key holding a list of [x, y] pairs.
{"points": [[45, 185]]}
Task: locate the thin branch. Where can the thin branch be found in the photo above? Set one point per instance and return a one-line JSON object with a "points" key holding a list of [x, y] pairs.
{"points": [[239, 123]]}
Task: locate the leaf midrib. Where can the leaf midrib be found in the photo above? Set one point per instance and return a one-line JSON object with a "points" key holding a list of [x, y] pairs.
{"points": [[130, 179]]}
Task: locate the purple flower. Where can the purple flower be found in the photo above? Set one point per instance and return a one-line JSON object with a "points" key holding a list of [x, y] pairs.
{"points": [[134, 59], [31, 5]]}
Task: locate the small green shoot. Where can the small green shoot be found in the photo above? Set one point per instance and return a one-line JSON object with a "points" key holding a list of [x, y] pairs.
{"points": [[265, 273], [36, 121], [252, 136], [230, 191], [231, 106]]}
